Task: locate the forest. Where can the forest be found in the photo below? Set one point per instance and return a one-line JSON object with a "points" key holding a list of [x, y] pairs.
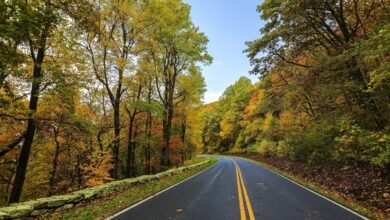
{"points": [[323, 97], [324, 88], [94, 91]]}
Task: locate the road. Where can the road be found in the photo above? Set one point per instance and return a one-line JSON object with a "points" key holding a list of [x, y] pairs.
{"points": [[236, 189]]}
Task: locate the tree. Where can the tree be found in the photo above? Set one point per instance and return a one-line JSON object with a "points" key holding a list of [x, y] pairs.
{"points": [[75, 74], [316, 69], [111, 50], [175, 45], [41, 18], [35, 23], [305, 33]]}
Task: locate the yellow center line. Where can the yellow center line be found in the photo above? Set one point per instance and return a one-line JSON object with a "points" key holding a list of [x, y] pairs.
{"points": [[241, 184], [248, 203], [240, 200]]}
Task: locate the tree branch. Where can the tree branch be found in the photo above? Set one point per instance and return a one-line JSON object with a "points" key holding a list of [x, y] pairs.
{"points": [[11, 145]]}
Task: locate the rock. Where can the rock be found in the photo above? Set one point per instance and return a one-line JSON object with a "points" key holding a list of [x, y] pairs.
{"points": [[130, 182], [153, 177], [171, 172], [108, 189], [17, 211], [386, 195], [56, 201], [146, 178], [141, 179], [39, 212], [65, 207], [36, 204], [86, 193], [162, 175]]}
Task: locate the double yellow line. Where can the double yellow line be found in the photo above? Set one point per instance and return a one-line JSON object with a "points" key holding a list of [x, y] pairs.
{"points": [[243, 193]]}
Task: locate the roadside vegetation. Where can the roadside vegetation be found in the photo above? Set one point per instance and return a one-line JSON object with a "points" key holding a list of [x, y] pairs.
{"points": [[321, 107], [107, 206]]}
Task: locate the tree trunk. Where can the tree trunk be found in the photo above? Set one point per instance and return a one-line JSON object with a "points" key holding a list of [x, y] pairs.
{"points": [[130, 149], [117, 131], [148, 147], [54, 162], [167, 124], [148, 126], [31, 124], [133, 167], [183, 129]]}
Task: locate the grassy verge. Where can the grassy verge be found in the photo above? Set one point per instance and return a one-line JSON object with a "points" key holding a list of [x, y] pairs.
{"points": [[372, 214], [101, 208]]}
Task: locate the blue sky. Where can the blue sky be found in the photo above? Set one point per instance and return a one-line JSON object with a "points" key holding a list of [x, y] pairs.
{"points": [[228, 24]]}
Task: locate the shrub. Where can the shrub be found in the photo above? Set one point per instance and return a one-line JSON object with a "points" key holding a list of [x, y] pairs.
{"points": [[357, 144], [315, 144], [266, 147]]}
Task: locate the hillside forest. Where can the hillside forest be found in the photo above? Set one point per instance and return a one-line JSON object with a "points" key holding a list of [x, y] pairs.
{"points": [[94, 91], [323, 96]]}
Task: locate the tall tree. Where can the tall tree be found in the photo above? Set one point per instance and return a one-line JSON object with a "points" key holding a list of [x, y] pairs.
{"points": [[41, 18], [111, 48], [175, 45]]}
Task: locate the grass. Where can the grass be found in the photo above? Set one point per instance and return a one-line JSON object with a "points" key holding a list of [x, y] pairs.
{"points": [[194, 160], [101, 208], [353, 205]]}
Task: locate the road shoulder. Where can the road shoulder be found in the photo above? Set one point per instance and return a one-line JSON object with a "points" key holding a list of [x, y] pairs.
{"points": [[108, 206]]}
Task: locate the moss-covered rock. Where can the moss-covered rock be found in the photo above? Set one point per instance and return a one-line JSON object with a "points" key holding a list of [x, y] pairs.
{"points": [[65, 207], [170, 172], [107, 189], [87, 193], [56, 201], [130, 182], [162, 175], [36, 204], [39, 212], [17, 211], [144, 179]]}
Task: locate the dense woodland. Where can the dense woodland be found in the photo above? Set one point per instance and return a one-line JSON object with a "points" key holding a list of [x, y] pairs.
{"points": [[324, 91], [92, 91]]}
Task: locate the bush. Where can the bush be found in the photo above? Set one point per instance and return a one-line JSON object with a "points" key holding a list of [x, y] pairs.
{"points": [[357, 144], [236, 150], [251, 148], [315, 144], [266, 147]]}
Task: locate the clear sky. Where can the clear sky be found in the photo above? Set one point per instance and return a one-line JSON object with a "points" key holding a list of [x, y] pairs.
{"points": [[228, 24]]}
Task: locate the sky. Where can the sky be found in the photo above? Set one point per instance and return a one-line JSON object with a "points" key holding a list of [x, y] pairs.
{"points": [[228, 24]]}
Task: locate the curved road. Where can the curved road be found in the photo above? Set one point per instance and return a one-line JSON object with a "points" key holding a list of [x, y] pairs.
{"points": [[236, 189]]}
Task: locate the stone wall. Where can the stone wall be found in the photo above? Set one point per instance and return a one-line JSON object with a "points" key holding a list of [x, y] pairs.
{"points": [[41, 206]]}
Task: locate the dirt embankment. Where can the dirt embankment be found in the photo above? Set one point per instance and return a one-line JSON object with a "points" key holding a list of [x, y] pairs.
{"points": [[362, 183]]}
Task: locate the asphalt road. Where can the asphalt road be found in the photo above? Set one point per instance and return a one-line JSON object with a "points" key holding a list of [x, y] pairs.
{"points": [[236, 189]]}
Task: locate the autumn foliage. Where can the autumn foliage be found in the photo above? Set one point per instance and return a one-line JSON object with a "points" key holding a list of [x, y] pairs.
{"points": [[94, 91], [323, 94]]}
